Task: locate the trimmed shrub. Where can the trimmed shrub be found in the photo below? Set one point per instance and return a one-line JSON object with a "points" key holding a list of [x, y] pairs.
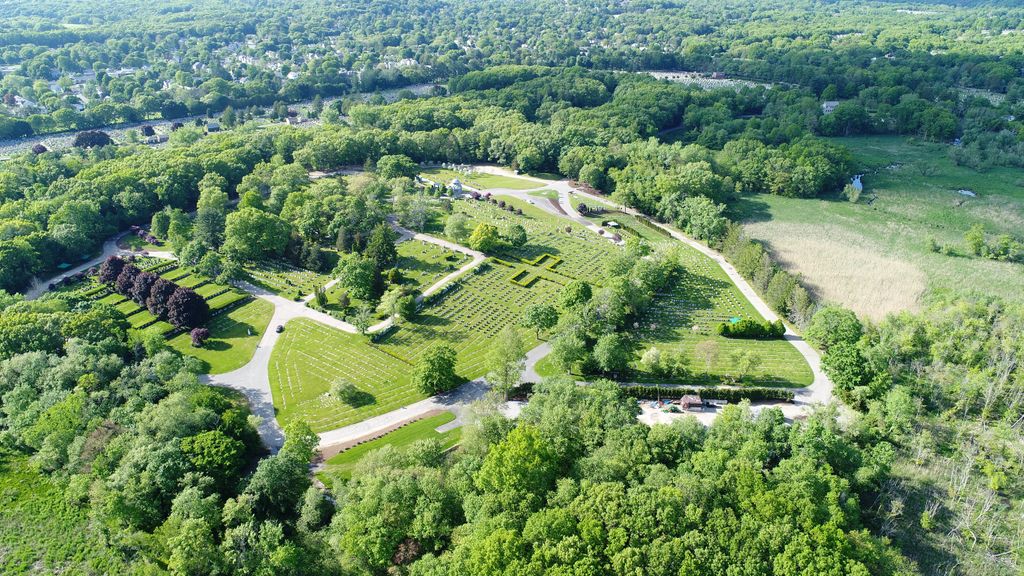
{"points": [[752, 329]]}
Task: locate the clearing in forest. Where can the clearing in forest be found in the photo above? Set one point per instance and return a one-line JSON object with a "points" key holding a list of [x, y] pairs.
{"points": [[874, 256]]}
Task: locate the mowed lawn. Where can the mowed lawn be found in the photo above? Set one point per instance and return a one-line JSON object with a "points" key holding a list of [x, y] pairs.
{"points": [[310, 357], [480, 180], [342, 464], [703, 297], [233, 337], [422, 264], [873, 256]]}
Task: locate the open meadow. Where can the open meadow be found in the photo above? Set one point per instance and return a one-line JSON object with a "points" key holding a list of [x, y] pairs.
{"points": [[874, 256]]}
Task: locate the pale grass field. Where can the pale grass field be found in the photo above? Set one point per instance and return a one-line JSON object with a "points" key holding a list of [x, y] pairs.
{"points": [[843, 267]]}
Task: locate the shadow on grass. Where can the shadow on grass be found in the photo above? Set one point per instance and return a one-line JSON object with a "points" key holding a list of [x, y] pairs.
{"points": [[359, 399], [749, 209]]}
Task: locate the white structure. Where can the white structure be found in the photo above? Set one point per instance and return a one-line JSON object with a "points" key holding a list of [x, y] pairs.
{"points": [[829, 106], [456, 187]]}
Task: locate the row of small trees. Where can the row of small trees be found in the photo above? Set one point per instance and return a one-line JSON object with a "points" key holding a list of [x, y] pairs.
{"points": [[180, 306]]}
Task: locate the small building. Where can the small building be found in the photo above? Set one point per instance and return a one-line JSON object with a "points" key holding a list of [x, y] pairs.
{"points": [[829, 106], [212, 127], [456, 187], [691, 402]]}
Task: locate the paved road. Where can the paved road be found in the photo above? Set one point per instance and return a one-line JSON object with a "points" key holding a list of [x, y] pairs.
{"points": [[41, 285], [820, 390], [254, 382]]}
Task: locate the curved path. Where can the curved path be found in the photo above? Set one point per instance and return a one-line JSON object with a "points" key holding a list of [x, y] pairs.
{"points": [[253, 379], [110, 248]]}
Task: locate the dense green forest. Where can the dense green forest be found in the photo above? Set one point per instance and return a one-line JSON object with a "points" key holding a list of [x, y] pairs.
{"points": [[116, 457]]}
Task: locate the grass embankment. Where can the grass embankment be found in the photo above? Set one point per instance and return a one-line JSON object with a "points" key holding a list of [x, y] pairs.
{"points": [[341, 465]]}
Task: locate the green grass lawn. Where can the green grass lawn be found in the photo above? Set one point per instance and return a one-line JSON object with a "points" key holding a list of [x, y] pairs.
{"points": [[703, 297], [41, 532], [546, 368], [545, 193], [136, 244], [233, 337], [422, 264], [341, 465], [480, 180], [311, 357], [873, 256]]}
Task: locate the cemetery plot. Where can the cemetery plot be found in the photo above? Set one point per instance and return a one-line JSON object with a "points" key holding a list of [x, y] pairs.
{"points": [[469, 317], [310, 358], [480, 180], [423, 264], [578, 253], [233, 337], [285, 279], [688, 314]]}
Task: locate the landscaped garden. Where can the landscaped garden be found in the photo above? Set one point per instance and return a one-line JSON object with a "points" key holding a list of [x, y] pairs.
{"points": [[233, 337], [218, 297]]}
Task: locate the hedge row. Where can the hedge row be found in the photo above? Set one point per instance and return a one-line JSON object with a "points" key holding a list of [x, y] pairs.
{"points": [[728, 394], [754, 329]]}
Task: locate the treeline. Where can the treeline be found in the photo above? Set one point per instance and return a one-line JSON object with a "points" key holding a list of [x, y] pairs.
{"points": [[201, 59], [179, 305], [578, 467], [60, 207], [78, 199]]}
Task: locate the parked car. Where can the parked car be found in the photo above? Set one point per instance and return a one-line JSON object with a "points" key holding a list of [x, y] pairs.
{"points": [[279, 328]]}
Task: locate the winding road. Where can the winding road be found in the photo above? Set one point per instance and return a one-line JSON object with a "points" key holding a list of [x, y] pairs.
{"points": [[253, 380]]}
